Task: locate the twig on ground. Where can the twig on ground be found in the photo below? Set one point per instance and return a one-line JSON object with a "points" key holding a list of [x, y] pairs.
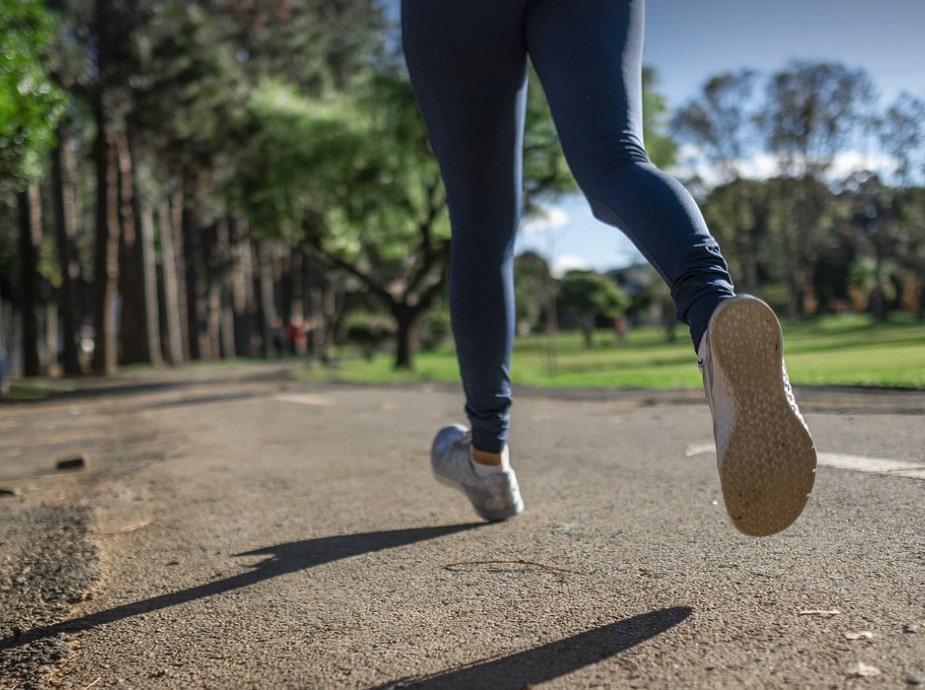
{"points": [[553, 568]]}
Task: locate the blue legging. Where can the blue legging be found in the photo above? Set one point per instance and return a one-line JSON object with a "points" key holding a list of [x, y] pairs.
{"points": [[468, 64]]}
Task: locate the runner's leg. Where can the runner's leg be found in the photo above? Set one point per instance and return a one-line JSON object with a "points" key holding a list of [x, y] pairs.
{"points": [[589, 61], [468, 65]]}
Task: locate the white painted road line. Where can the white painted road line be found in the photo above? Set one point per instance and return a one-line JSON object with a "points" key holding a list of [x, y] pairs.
{"points": [[855, 463], [858, 463]]}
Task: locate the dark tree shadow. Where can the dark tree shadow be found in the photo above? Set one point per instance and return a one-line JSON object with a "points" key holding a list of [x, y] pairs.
{"points": [[553, 660], [89, 388], [282, 559]]}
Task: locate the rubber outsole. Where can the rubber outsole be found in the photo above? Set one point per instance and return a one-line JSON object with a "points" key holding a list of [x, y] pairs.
{"points": [[504, 489], [767, 467]]}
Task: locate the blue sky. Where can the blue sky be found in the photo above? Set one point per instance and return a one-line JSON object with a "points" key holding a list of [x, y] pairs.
{"points": [[689, 41]]}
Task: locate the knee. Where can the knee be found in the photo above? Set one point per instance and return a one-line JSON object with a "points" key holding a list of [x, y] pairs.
{"points": [[599, 162]]}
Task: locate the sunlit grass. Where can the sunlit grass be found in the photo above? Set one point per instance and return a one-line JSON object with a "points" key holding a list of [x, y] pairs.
{"points": [[846, 350]]}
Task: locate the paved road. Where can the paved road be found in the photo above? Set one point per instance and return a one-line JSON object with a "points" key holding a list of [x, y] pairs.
{"points": [[233, 529]]}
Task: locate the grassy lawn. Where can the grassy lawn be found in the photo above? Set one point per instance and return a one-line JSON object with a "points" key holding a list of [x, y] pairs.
{"points": [[844, 350]]}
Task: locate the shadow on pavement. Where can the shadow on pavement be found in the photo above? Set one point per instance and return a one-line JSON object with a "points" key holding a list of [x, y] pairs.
{"points": [[553, 660], [158, 381], [283, 558]]}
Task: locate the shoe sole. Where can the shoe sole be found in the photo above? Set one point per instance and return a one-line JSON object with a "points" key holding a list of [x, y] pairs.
{"points": [[475, 496], [476, 499], [768, 468]]}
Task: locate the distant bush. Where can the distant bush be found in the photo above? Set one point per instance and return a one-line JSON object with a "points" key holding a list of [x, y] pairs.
{"points": [[369, 332], [434, 330]]}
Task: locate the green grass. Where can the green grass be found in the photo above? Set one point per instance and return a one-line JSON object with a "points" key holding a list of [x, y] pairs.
{"points": [[40, 388], [847, 350]]}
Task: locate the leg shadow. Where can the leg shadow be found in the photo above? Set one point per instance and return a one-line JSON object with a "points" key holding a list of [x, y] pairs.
{"points": [[553, 660], [281, 559]]}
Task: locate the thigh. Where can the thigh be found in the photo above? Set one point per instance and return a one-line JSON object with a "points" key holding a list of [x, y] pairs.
{"points": [[466, 55], [588, 55], [467, 62]]}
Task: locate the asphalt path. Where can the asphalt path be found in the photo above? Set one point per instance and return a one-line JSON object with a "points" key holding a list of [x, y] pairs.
{"points": [[231, 528]]}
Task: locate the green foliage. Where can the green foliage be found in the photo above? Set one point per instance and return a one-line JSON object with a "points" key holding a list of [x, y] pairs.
{"points": [[546, 172], [316, 46], [352, 173], [434, 330], [588, 295], [720, 121], [30, 103], [534, 288], [902, 135], [369, 332], [185, 85], [660, 146], [813, 110], [738, 214]]}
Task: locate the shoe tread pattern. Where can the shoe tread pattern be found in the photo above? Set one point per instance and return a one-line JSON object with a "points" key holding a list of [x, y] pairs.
{"points": [[768, 468]]}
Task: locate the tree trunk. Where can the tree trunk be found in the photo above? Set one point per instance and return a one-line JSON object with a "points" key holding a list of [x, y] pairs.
{"points": [[296, 285], [271, 324], [4, 356], [133, 332], [196, 290], [406, 321], [106, 269], [224, 284], [242, 290], [794, 299], [29, 236], [177, 205], [331, 302], [172, 292], [52, 337], [66, 222], [920, 309], [587, 331], [213, 349], [149, 270]]}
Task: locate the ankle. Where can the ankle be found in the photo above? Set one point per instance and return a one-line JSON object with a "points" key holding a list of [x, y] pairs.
{"points": [[484, 458]]}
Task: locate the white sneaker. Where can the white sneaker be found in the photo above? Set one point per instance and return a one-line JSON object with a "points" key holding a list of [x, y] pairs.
{"points": [[764, 452], [495, 496]]}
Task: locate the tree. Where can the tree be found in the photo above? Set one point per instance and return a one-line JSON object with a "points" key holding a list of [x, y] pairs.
{"points": [[738, 214], [361, 188], [587, 295], [803, 214], [813, 111], [902, 134], [186, 98], [190, 111], [30, 107], [65, 201], [317, 47], [535, 290], [719, 122], [661, 148], [30, 103], [354, 177]]}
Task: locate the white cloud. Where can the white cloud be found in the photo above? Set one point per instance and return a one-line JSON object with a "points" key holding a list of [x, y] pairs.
{"points": [[762, 166], [568, 262], [854, 161], [549, 218]]}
